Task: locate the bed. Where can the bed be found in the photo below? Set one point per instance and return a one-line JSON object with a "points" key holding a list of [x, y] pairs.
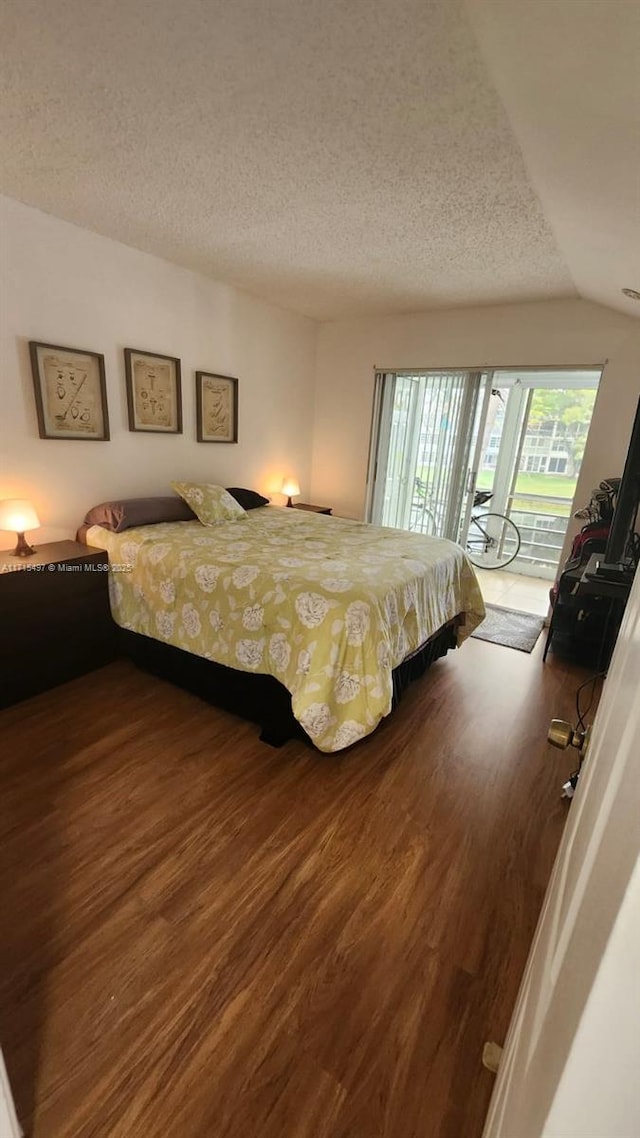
{"points": [[328, 609]]}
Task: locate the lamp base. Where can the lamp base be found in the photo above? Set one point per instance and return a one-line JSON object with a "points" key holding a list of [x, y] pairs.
{"points": [[23, 549], [289, 502]]}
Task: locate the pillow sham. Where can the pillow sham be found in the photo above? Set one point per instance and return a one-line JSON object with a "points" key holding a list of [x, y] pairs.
{"points": [[248, 499], [211, 504], [125, 513]]}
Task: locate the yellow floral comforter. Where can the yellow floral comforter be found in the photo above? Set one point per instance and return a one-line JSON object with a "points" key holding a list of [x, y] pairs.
{"points": [[326, 605]]}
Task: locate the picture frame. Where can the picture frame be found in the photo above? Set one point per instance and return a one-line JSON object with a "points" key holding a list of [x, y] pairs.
{"points": [[154, 392], [216, 408], [70, 392]]}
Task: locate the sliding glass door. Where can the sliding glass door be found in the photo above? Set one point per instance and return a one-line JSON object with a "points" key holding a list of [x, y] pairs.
{"points": [[516, 434], [425, 447]]}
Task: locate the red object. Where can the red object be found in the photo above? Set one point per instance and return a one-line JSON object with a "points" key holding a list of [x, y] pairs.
{"points": [[591, 539]]}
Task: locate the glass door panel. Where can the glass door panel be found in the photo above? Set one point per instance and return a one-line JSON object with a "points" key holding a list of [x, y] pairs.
{"points": [[533, 444], [425, 432]]}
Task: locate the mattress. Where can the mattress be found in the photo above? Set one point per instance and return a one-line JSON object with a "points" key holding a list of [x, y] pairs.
{"points": [[328, 606]]}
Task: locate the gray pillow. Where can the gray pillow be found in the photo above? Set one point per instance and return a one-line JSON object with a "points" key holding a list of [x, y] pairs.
{"points": [[125, 513]]}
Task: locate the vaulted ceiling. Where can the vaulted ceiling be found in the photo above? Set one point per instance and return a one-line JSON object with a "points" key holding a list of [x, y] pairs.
{"points": [[339, 157]]}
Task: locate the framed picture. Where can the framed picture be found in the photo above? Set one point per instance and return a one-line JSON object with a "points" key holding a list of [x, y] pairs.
{"points": [[71, 392], [154, 392], [216, 408]]}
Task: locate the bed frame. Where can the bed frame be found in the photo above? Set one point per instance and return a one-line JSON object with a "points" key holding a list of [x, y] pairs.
{"points": [[260, 699]]}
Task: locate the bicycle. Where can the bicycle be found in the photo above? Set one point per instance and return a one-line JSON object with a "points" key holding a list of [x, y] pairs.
{"points": [[493, 540], [423, 518]]}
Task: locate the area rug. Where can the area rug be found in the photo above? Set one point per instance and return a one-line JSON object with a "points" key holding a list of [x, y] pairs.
{"points": [[510, 628]]}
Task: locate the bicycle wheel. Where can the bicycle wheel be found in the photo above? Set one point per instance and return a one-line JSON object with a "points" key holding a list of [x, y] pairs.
{"points": [[493, 541], [422, 520]]}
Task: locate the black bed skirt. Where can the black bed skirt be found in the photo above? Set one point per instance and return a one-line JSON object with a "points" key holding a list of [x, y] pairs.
{"points": [[260, 699]]}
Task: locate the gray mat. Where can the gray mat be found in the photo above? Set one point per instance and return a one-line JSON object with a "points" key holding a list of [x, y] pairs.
{"points": [[510, 628]]}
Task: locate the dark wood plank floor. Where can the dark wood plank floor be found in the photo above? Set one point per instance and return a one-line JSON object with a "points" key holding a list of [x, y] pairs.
{"points": [[209, 938]]}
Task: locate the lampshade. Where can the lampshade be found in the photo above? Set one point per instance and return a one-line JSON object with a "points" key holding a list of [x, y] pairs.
{"points": [[290, 487], [18, 515]]}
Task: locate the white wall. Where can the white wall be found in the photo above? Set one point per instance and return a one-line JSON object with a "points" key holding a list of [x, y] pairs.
{"points": [[63, 285], [555, 332]]}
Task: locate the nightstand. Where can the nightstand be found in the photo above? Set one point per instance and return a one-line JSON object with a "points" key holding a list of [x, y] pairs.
{"points": [[55, 618], [312, 509]]}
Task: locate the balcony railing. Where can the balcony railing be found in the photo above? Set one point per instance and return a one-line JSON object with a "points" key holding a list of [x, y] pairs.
{"points": [[542, 530]]}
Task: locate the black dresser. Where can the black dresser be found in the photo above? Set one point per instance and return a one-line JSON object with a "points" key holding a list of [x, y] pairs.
{"points": [[55, 620]]}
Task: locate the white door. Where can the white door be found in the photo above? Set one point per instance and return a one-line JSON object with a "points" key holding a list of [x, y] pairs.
{"points": [[572, 1057]]}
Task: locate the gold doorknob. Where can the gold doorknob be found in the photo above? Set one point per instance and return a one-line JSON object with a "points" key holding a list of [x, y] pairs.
{"points": [[561, 734]]}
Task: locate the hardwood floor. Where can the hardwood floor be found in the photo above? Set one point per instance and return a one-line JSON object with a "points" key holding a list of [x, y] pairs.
{"points": [[207, 938]]}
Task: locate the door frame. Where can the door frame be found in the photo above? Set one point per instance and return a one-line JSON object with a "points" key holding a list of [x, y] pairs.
{"points": [[9, 1125], [572, 1042]]}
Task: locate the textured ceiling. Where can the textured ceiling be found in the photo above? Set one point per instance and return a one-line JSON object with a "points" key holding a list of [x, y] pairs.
{"points": [[336, 157], [569, 76]]}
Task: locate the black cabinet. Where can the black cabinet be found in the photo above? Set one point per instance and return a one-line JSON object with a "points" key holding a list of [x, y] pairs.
{"points": [[586, 616], [55, 620]]}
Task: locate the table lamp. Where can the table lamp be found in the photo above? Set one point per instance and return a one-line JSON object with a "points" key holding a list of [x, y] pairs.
{"points": [[18, 515], [290, 487]]}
